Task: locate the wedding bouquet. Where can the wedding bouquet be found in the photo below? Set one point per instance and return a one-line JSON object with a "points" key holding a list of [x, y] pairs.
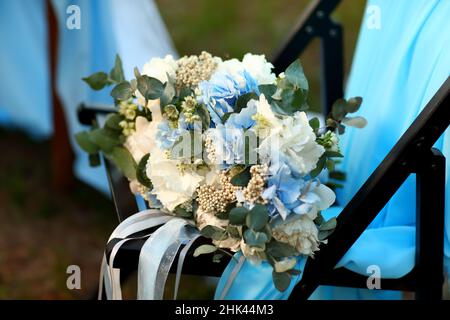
{"points": [[227, 145]]}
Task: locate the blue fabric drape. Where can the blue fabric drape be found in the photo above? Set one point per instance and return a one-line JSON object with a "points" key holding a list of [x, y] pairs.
{"points": [[132, 29], [25, 83], [397, 69]]}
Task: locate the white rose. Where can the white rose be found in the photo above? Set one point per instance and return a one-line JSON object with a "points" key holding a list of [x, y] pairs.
{"points": [[259, 68], [294, 138], [170, 185], [142, 141], [300, 232], [159, 68]]}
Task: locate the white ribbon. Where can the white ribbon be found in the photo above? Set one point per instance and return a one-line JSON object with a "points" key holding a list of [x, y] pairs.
{"points": [[156, 257]]}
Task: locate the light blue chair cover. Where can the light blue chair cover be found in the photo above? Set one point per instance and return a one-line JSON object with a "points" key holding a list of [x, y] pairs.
{"points": [[396, 69], [25, 85], [132, 29]]}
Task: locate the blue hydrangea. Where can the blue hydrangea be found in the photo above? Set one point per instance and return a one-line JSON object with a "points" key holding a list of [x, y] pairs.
{"points": [[220, 93]]}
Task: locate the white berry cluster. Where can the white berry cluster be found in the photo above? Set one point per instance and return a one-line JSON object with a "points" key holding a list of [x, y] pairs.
{"points": [[215, 198], [193, 69], [129, 111], [252, 193]]}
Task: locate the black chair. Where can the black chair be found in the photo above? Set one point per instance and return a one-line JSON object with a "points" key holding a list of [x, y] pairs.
{"points": [[413, 154]]}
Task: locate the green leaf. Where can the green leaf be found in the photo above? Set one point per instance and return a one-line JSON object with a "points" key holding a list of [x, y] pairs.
{"points": [[292, 101], [122, 91], [280, 249], [337, 175], [217, 257], [268, 90], [255, 239], [258, 217], [329, 225], [149, 87], [295, 75], [294, 272], [113, 120], [324, 234], [314, 123], [168, 94], [233, 232], [137, 74], [320, 165], [203, 113], [116, 73], [353, 104], [214, 233], [330, 165], [356, 122], [97, 81], [104, 140], [204, 249], [182, 213], [281, 280], [184, 92], [333, 154], [226, 116], [338, 111], [141, 174], [124, 161], [84, 141], [242, 178], [237, 215], [242, 101], [94, 160]]}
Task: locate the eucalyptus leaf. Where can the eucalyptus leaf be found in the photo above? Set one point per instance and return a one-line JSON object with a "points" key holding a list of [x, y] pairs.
{"points": [[353, 104], [97, 81], [237, 215], [257, 217], [295, 75], [122, 91], [84, 141], [280, 249], [324, 234], [124, 161], [281, 280], [314, 123], [113, 120], [242, 101], [104, 139], [357, 122], [94, 160], [233, 232], [338, 110], [214, 232], [337, 175], [293, 101], [150, 88], [203, 113], [319, 167], [268, 90], [116, 73], [204, 249], [242, 178], [255, 238], [141, 174], [329, 225]]}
